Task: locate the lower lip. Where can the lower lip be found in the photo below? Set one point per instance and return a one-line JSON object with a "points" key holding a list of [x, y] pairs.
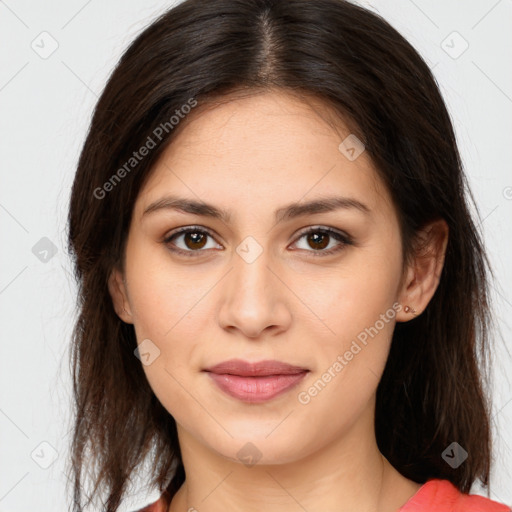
{"points": [[256, 389]]}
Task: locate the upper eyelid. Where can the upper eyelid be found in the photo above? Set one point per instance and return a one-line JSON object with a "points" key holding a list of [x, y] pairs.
{"points": [[186, 229]]}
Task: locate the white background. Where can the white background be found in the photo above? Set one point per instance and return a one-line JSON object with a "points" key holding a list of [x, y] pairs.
{"points": [[46, 106]]}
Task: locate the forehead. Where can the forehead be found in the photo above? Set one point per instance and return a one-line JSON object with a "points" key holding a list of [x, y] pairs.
{"points": [[270, 147]]}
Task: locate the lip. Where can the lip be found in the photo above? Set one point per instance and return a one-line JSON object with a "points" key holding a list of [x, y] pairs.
{"points": [[258, 369], [255, 382]]}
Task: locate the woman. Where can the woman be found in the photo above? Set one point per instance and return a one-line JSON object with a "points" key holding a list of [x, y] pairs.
{"points": [[282, 292]]}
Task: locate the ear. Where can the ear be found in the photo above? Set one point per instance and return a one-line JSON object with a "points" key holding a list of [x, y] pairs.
{"points": [[424, 271], [118, 292]]}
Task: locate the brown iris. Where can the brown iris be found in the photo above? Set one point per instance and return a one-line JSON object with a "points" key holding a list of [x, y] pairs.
{"points": [[319, 240], [195, 240]]}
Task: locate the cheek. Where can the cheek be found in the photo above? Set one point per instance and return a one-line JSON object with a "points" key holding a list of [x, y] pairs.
{"points": [[161, 294], [169, 316], [164, 313], [347, 299], [350, 360], [169, 308], [355, 318]]}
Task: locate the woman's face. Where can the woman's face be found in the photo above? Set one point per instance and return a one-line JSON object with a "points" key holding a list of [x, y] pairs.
{"points": [[247, 281]]}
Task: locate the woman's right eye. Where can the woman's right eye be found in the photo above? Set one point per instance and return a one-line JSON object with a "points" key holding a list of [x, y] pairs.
{"points": [[191, 239]]}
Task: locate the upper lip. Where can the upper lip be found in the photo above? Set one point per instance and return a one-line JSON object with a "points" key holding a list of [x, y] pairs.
{"points": [[257, 369]]}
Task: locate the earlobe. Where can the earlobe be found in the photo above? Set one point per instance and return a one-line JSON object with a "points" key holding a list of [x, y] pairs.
{"points": [[118, 293], [424, 272]]}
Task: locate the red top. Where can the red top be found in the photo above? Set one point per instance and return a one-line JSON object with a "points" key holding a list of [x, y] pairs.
{"points": [[441, 495], [433, 496]]}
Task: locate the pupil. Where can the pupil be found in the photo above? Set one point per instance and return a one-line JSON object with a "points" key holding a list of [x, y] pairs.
{"points": [[315, 237]]}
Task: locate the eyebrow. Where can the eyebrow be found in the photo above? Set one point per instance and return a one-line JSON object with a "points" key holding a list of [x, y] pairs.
{"points": [[288, 212]]}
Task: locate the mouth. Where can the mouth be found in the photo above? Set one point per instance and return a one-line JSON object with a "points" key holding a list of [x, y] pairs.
{"points": [[255, 382]]}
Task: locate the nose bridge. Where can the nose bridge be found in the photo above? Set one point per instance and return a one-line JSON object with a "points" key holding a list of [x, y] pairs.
{"points": [[251, 274], [252, 298]]}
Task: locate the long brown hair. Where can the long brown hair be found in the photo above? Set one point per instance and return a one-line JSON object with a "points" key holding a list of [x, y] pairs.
{"points": [[433, 390]]}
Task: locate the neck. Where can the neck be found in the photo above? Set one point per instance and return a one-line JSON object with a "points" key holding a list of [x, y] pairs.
{"points": [[345, 475]]}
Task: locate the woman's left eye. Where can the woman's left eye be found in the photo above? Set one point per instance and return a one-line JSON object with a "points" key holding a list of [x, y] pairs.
{"points": [[321, 240]]}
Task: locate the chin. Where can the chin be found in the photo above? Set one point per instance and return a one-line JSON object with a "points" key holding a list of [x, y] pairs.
{"points": [[255, 446]]}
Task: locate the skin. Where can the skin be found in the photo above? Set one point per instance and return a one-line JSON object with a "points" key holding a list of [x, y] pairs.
{"points": [[251, 156]]}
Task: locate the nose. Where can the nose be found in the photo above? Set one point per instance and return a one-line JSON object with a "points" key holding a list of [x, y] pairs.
{"points": [[254, 299]]}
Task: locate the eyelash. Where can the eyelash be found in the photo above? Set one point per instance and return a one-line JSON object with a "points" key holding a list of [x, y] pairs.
{"points": [[340, 237]]}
